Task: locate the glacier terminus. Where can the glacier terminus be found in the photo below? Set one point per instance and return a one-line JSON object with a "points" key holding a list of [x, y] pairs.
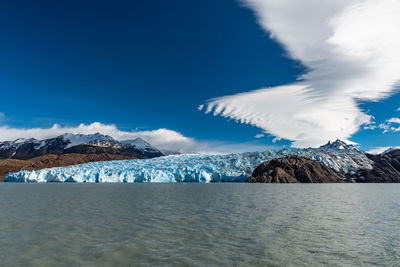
{"points": [[238, 167]]}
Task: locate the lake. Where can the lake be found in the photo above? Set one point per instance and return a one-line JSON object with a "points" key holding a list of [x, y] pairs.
{"points": [[199, 224]]}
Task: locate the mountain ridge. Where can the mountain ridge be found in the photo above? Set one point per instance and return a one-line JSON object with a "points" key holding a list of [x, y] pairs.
{"points": [[76, 143], [348, 162], [343, 159]]}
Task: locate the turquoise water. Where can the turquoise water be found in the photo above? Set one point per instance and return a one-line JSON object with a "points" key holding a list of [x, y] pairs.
{"points": [[199, 224]]}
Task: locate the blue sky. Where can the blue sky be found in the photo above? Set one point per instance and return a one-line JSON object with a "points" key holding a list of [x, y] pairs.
{"points": [[145, 65]]}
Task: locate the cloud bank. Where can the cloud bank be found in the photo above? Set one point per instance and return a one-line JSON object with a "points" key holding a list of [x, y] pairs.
{"points": [[352, 51], [163, 139]]}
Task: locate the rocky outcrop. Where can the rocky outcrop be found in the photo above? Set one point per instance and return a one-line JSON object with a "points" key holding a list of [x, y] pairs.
{"points": [[293, 169]]}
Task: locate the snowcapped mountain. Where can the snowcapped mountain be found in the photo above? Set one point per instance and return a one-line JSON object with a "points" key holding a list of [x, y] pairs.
{"points": [[29, 148], [343, 158], [338, 144], [391, 149], [76, 143], [94, 139], [144, 147]]}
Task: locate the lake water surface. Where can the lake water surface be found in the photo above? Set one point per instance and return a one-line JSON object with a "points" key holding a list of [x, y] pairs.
{"points": [[199, 224]]}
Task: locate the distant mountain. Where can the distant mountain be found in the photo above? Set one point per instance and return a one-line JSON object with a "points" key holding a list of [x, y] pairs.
{"points": [[338, 144], [96, 139], [77, 143], [170, 152], [144, 147], [391, 149]]}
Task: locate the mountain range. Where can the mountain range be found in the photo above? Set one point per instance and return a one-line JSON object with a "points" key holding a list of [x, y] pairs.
{"points": [[333, 162], [77, 143], [69, 149]]}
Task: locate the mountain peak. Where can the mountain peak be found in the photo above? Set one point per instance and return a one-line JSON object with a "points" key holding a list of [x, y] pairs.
{"points": [[143, 146], [95, 136], [24, 140], [338, 144], [77, 139]]}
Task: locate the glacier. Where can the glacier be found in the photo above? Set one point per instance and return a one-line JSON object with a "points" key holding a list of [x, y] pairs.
{"points": [[193, 167]]}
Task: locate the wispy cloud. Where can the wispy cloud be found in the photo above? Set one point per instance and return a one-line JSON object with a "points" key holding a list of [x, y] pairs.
{"points": [[164, 139], [352, 51], [390, 125]]}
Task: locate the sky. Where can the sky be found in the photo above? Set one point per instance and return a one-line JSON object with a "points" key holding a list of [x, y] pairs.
{"points": [[203, 76]]}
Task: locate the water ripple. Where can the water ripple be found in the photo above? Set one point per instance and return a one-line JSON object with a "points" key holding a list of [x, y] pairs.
{"points": [[199, 224]]}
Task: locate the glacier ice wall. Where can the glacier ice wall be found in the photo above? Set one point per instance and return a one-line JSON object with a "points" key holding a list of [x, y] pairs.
{"points": [[189, 168]]}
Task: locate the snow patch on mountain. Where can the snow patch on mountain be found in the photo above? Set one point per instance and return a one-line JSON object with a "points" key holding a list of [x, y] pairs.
{"points": [[79, 139], [391, 149], [141, 145]]}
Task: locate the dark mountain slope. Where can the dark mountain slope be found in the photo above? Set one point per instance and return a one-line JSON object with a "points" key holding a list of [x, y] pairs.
{"points": [[386, 169], [293, 169]]}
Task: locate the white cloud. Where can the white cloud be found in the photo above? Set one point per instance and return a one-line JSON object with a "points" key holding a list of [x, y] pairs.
{"points": [[398, 109], [275, 139], [370, 127], [391, 125], [381, 149], [163, 139], [259, 135], [352, 51], [159, 137]]}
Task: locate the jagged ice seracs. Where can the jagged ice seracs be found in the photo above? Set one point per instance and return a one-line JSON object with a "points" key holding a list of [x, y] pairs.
{"points": [[193, 167]]}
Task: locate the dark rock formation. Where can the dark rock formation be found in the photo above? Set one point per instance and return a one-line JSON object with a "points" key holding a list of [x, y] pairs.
{"points": [[386, 169], [293, 169]]}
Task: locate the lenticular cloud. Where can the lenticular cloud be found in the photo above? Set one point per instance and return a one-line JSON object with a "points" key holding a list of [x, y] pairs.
{"points": [[352, 51]]}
